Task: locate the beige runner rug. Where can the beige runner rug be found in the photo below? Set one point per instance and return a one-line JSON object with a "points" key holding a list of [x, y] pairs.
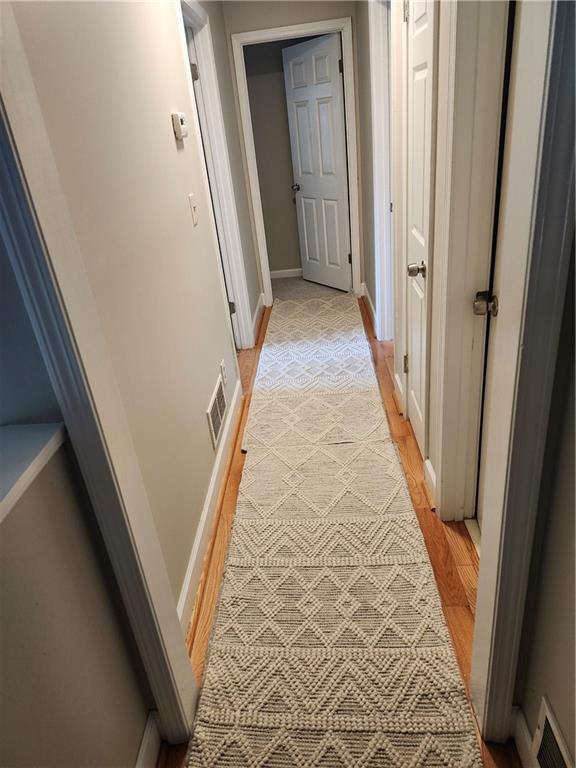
{"points": [[329, 648]]}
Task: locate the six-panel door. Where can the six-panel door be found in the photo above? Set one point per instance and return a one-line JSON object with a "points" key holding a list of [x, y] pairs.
{"points": [[315, 102]]}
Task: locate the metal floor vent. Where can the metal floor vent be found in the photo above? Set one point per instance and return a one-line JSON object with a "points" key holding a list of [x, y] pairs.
{"points": [[549, 746], [216, 411]]}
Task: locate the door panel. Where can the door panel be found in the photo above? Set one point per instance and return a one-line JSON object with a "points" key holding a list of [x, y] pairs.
{"points": [[310, 227], [315, 101], [330, 216], [419, 207]]}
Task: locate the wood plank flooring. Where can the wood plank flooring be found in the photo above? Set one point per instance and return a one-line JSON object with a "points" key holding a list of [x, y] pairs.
{"points": [[452, 553]]}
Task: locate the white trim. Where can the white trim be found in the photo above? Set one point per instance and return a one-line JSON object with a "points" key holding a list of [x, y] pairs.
{"points": [[523, 739], [42, 442], [239, 40], [278, 274], [194, 14], [471, 62], [258, 315], [365, 292], [399, 172], [546, 713], [534, 247], [200, 49], [474, 532], [378, 16], [193, 570], [150, 744], [60, 303]]}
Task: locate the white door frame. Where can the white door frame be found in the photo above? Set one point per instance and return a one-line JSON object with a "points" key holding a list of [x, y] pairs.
{"points": [[471, 58], [60, 305], [218, 166], [536, 234], [399, 160], [378, 22], [239, 40], [471, 66]]}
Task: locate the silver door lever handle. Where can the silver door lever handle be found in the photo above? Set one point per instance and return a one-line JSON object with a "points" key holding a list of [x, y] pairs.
{"points": [[416, 269], [295, 187]]}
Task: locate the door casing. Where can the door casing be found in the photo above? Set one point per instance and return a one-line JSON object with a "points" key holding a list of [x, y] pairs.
{"points": [[535, 241], [239, 40], [210, 116], [471, 46]]}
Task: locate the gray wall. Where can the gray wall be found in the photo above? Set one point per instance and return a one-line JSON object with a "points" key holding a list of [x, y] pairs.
{"points": [[102, 80], [239, 180], [265, 75], [547, 651], [69, 686], [26, 395]]}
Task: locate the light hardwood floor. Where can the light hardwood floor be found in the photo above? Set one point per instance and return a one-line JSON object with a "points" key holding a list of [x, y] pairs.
{"points": [[452, 553]]}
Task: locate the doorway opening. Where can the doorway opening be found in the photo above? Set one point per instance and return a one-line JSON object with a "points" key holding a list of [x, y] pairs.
{"points": [[319, 210], [296, 99]]}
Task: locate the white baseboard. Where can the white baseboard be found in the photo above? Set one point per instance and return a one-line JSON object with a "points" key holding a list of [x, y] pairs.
{"points": [[278, 273], [257, 316], [366, 293], [430, 480], [150, 744], [523, 740], [362, 290], [192, 577], [474, 530]]}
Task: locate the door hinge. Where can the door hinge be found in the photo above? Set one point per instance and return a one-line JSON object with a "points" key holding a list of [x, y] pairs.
{"points": [[340, 66], [349, 258], [405, 10], [485, 303], [232, 307], [405, 363], [194, 71], [391, 207]]}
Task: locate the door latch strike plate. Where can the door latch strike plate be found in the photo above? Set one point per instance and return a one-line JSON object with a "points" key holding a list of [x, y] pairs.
{"points": [[405, 363]]}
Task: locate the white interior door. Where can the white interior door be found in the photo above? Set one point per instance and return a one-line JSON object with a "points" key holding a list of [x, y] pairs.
{"points": [[419, 207], [315, 101], [214, 196]]}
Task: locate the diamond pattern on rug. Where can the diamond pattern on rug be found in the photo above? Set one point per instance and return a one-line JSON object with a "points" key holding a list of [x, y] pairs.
{"points": [[313, 418], [335, 480], [329, 648]]}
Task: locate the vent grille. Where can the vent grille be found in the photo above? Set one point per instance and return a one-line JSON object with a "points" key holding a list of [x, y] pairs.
{"points": [[548, 744], [549, 755], [216, 411]]}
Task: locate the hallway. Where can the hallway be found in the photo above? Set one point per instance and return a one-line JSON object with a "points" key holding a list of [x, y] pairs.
{"points": [[327, 564]]}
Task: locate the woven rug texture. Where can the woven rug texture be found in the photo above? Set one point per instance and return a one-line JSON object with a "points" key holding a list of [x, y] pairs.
{"points": [[329, 648]]}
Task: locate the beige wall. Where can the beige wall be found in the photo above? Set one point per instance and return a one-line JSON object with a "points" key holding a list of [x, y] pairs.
{"points": [[69, 687], [231, 125], [547, 651], [247, 16], [265, 75], [106, 77]]}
